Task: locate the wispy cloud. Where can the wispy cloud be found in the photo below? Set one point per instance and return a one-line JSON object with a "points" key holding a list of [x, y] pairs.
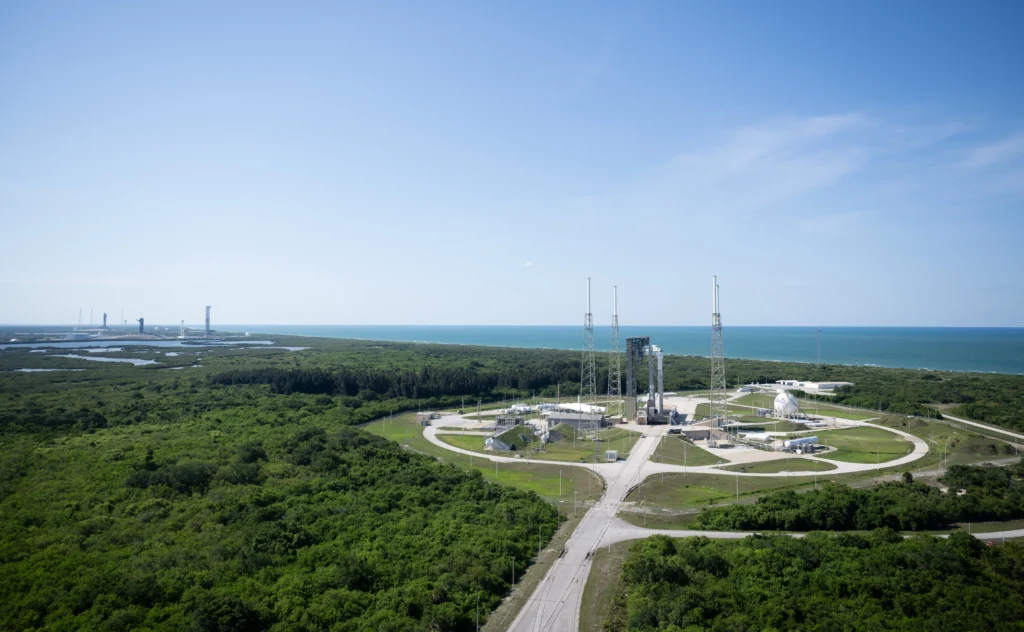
{"points": [[528, 264], [757, 166], [999, 152]]}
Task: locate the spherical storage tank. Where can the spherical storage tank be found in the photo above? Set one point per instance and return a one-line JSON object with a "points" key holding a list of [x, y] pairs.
{"points": [[785, 405]]}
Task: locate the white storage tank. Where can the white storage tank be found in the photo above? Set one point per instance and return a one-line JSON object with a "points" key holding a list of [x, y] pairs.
{"points": [[793, 443], [786, 405]]}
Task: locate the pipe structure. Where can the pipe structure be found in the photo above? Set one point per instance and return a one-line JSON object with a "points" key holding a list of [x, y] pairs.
{"points": [[650, 375], [661, 382]]}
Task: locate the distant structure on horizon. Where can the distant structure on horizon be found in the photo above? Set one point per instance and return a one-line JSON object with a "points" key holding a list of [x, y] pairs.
{"points": [[104, 320], [207, 320], [142, 325]]}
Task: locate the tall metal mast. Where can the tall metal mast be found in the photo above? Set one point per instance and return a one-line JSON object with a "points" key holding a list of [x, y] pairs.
{"points": [[588, 371], [719, 408], [614, 362]]}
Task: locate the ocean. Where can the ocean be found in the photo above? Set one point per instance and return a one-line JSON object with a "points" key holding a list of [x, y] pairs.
{"points": [[990, 350]]}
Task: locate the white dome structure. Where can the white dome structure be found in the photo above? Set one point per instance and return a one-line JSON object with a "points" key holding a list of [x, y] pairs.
{"points": [[786, 405]]}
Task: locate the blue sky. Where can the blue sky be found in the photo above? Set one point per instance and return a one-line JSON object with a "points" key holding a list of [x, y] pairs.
{"points": [[835, 163]]}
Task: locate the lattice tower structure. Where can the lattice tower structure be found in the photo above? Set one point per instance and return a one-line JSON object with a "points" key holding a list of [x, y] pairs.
{"points": [[719, 408], [615, 362], [588, 374]]}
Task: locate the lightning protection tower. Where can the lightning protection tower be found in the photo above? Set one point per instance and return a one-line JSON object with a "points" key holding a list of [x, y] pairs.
{"points": [[719, 409], [615, 362], [589, 423]]}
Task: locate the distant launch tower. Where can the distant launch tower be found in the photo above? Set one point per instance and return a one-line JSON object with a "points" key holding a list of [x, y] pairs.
{"points": [[207, 320], [104, 320], [719, 408], [589, 423], [142, 325], [615, 361]]}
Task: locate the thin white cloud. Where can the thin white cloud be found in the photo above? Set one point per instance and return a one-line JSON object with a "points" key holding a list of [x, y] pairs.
{"points": [[528, 264], [1002, 151]]}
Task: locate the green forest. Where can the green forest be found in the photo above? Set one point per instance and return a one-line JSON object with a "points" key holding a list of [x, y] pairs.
{"points": [[975, 494], [879, 581], [134, 498]]}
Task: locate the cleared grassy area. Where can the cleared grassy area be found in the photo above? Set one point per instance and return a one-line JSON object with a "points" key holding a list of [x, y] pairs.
{"points": [[767, 424], [949, 442], [964, 447], [841, 413], [704, 410], [603, 583], [658, 520], [782, 465], [760, 400], [565, 450], [690, 490], [864, 445], [540, 478], [465, 442], [675, 449]]}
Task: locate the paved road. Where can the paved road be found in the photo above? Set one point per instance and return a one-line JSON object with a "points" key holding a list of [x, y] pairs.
{"points": [[620, 530], [985, 426], [555, 604]]}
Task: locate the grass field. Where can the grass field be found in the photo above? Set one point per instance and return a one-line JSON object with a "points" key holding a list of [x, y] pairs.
{"points": [[658, 520], [950, 442], [841, 413], [676, 491], [760, 400], [603, 583], [675, 449], [540, 478], [565, 450], [704, 410], [782, 465], [964, 447], [772, 425], [864, 445]]}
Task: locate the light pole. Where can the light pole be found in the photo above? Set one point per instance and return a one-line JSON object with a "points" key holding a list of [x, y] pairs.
{"points": [[574, 503]]}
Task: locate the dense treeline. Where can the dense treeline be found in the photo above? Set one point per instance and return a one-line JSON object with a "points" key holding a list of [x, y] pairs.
{"points": [[300, 529], [974, 494], [360, 373], [429, 381], [820, 583]]}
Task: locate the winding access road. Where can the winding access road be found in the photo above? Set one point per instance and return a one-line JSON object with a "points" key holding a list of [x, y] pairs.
{"points": [[554, 605]]}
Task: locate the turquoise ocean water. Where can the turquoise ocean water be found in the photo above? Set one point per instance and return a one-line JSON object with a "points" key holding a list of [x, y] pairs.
{"points": [[998, 350]]}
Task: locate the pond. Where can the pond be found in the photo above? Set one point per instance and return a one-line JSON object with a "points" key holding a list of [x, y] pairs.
{"points": [[133, 361]]}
